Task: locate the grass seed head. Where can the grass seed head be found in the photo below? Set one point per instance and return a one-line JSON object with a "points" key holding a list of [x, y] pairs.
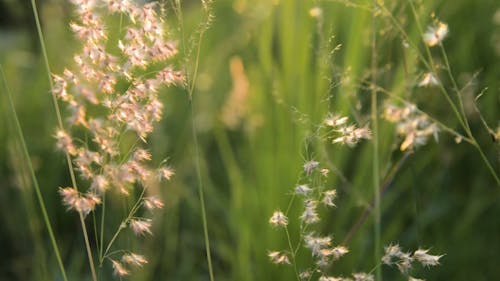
{"points": [[141, 226], [278, 219], [436, 34], [119, 269], [278, 257]]}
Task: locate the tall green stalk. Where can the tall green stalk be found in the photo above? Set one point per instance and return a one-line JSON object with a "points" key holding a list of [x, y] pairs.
{"points": [[191, 85], [198, 166], [61, 126], [375, 159], [200, 193], [34, 179]]}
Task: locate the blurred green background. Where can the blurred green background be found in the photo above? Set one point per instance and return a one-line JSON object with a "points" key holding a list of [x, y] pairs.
{"points": [[268, 76]]}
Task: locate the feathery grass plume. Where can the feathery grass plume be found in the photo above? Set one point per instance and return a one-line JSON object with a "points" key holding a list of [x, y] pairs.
{"points": [[428, 79], [343, 133], [134, 259], [140, 226], [82, 203], [404, 261], [412, 125], [112, 96], [278, 219], [278, 257], [361, 276], [119, 269], [435, 34], [425, 259], [329, 197]]}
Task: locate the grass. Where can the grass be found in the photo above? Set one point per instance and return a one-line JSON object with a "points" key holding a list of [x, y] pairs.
{"points": [[34, 180], [439, 196]]}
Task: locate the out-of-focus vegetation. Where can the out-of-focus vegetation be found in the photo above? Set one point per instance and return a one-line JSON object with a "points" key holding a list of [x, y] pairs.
{"points": [[269, 73]]}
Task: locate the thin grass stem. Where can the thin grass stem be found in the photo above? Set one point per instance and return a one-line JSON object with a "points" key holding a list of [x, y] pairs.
{"points": [[388, 179], [293, 253], [405, 35], [54, 98], [34, 179], [200, 192], [60, 123], [375, 159], [191, 86], [488, 164], [454, 84], [96, 235], [315, 269], [87, 246], [122, 225], [103, 215], [376, 268]]}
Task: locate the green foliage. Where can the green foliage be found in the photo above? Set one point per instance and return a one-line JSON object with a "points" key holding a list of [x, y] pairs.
{"points": [[440, 196]]}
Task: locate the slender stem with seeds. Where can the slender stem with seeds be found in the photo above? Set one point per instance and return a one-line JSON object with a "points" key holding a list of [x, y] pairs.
{"points": [[293, 253], [61, 126], [460, 115], [428, 64], [433, 69], [120, 227], [191, 86], [469, 138], [455, 86], [35, 181], [405, 35], [440, 124], [478, 112], [467, 129]]}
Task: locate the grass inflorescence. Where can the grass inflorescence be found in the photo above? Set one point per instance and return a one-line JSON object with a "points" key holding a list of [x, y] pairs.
{"points": [[175, 130]]}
